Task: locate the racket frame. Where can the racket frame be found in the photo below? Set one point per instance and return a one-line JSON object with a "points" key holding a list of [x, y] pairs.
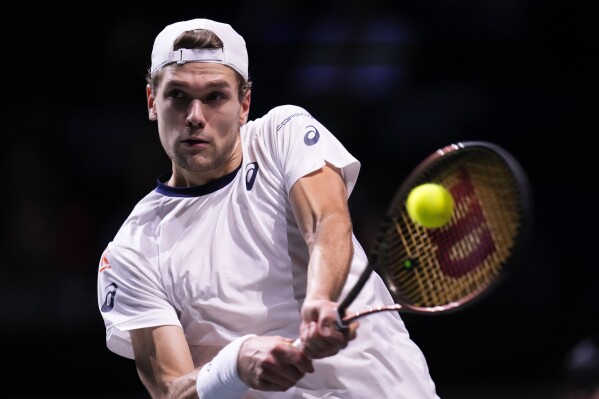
{"points": [[524, 231]]}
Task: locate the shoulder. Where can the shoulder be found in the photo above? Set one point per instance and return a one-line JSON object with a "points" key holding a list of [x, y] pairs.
{"points": [[142, 220], [279, 116], [284, 114], [285, 110], [283, 118]]}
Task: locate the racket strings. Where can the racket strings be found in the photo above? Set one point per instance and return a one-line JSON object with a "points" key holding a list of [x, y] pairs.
{"points": [[428, 268]]}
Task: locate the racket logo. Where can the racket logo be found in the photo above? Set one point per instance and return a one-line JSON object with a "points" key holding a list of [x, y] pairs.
{"points": [[470, 227]]}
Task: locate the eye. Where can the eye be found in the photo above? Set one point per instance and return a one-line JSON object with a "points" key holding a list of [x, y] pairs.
{"points": [[215, 96], [176, 93]]}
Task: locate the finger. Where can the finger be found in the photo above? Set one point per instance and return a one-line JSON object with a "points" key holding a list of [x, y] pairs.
{"points": [[307, 330], [327, 322], [278, 379], [317, 346], [296, 357], [352, 331], [288, 367], [285, 366]]}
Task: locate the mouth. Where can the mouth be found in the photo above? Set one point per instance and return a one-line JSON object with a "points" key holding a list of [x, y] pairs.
{"points": [[194, 142]]}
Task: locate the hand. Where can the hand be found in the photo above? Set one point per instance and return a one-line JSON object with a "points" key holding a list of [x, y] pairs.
{"points": [[319, 332], [272, 363]]}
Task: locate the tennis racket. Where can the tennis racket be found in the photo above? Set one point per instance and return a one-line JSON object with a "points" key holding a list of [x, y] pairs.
{"points": [[439, 270]]}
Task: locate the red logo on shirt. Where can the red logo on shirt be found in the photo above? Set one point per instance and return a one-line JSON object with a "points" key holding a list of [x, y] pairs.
{"points": [[104, 265]]}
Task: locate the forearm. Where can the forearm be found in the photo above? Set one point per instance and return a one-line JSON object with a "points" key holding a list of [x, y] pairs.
{"points": [[164, 362], [183, 387], [331, 251], [330, 259], [319, 202], [218, 379]]}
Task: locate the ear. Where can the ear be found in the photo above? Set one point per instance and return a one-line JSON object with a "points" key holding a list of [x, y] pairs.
{"points": [[151, 100], [244, 110]]}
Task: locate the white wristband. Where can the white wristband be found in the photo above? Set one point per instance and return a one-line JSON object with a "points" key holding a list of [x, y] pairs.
{"points": [[219, 378]]}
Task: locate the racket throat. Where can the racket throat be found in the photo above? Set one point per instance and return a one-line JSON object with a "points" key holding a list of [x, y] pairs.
{"points": [[346, 321]]}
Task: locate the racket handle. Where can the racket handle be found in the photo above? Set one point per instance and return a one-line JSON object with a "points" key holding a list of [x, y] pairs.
{"points": [[340, 323]]}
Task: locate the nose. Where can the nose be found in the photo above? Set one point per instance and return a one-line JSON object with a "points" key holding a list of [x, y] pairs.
{"points": [[195, 115]]}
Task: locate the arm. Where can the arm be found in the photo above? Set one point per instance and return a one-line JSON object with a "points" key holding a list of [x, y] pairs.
{"points": [[165, 366], [319, 202], [164, 362]]}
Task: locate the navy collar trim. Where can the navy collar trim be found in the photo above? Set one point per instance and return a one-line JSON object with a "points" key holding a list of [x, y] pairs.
{"points": [[193, 191]]}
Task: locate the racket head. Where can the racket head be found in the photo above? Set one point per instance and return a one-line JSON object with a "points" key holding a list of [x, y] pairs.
{"points": [[440, 270]]}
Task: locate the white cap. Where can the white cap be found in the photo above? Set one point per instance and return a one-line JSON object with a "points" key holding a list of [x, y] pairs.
{"points": [[233, 54]]}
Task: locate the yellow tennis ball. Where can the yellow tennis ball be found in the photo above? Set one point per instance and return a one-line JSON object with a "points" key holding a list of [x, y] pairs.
{"points": [[430, 205]]}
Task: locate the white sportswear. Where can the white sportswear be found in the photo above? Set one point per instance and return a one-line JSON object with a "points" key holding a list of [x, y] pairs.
{"points": [[227, 259]]}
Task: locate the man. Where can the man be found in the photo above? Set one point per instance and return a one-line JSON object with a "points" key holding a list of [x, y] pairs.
{"points": [[244, 246]]}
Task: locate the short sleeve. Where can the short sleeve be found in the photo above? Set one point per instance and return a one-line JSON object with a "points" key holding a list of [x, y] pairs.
{"points": [[130, 295], [301, 145]]}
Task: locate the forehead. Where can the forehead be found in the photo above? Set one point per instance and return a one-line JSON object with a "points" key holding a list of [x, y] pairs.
{"points": [[198, 73]]}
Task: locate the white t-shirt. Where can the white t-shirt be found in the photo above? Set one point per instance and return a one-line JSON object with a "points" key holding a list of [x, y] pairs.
{"points": [[227, 259]]}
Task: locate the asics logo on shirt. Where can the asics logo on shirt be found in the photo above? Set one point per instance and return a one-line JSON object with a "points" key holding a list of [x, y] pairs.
{"points": [[282, 124], [312, 136], [250, 174], [108, 304]]}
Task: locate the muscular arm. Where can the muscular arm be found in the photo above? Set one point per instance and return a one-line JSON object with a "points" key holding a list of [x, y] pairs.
{"points": [[319, 202], [320, 207], [165, 366], [164, 362]]}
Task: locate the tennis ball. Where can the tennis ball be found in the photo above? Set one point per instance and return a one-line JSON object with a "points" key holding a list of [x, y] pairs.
{"points": [[430, 205]]}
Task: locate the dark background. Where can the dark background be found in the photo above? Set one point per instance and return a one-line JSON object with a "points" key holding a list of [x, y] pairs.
{"points": [[393, 83]]}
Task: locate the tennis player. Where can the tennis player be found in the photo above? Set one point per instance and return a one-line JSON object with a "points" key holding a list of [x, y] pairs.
{"points": [[244, 246]]}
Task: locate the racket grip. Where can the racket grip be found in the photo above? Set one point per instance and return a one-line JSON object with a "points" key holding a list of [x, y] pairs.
{"points": [[340, 324]]}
